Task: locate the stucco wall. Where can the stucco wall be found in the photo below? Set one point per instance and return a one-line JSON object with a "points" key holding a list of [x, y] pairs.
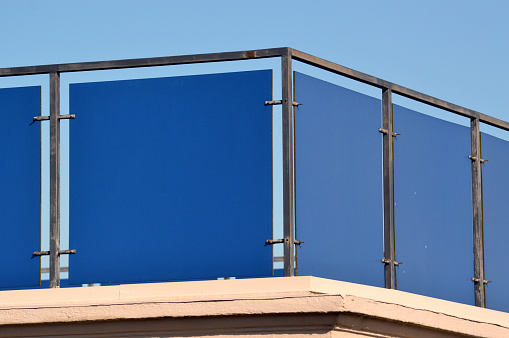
{"points": [[297, 306]]}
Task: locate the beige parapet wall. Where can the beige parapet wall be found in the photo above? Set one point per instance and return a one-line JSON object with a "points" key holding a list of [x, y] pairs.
{"points": [[265, 307]]}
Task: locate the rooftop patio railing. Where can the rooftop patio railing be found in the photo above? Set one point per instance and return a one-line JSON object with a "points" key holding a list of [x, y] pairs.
{"points": [[227, 183]]}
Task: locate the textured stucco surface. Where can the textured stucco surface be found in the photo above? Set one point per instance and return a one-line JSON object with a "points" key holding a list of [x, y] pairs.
{"points": [[297, 306]]}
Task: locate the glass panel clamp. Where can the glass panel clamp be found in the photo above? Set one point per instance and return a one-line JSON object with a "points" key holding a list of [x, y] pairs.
{"points": [[276, 241], [61, 117], [478, 280], [385, 131], [388, 261], [47, 118], [474, 158], [60, 252], [276, 102]]}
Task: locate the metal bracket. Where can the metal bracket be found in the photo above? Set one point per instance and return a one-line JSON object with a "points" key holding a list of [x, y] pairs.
{"points": [[388, 261], [61, 117], [385, 131], [276, 102], [478, 280], [60, 252], [474, 158], [275, 241]]}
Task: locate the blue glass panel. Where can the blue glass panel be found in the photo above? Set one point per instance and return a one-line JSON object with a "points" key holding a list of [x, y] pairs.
{"points": [[64, 283], [171, 178], [279, 273], [338, 182], [495, 182], [20, 181], [433, 207]]}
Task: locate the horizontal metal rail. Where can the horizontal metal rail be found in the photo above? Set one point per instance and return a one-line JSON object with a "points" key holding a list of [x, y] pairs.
{"points": [[145, 62], [256, 54], [396, 89]]}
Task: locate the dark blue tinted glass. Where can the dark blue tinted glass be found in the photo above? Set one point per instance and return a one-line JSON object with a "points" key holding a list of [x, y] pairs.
{"points": [[20, 181], [64, 283], [433, 207], [495, 183], [338, 182], [171, 178]]}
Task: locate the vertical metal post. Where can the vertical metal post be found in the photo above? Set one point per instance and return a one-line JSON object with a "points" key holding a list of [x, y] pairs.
{"points": [[54, 180], [477, 213], [288, 166], [388, 177]]}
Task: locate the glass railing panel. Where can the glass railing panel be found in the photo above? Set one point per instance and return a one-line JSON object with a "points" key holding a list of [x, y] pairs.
{"points": [[171, 178], [338, 183], [20, 181], [495, 184], [433, 206]]}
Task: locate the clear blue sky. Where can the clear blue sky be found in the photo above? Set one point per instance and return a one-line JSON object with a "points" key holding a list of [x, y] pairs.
{"points": [[454, 50]]}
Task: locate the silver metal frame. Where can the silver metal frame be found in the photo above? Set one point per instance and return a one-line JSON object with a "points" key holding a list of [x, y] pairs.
{"points": [[288, 166], [54, 250], [477, 214], [287, 55], [388, 186]]}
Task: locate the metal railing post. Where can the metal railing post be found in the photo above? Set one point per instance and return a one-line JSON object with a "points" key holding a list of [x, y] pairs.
{"points": [[477, 215], [388, 186], [288, 166], [54, 180]]}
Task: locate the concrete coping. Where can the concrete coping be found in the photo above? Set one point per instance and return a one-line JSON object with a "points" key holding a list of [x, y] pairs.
{"points": [[301, 294]]}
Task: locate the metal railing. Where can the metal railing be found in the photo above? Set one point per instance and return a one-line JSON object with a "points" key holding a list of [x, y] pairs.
{"points": [[286, 55]]}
